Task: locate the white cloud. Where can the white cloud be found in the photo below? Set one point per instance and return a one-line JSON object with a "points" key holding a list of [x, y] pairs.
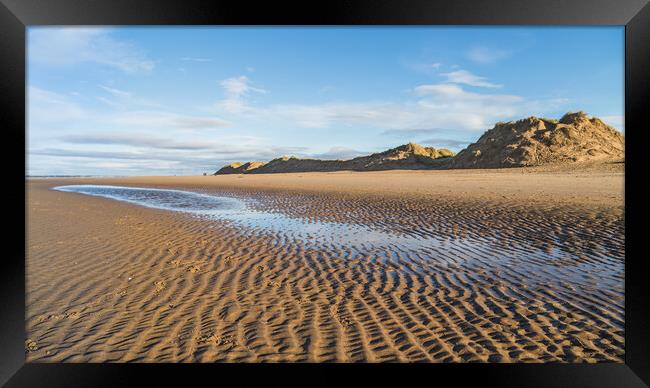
{"points": [[615, 121], [138, 153], [447, 90], [239, 86], [437, 106], [116, 92], [41, 164], [62, 133], [121, 99], [63, 46], [467, 78], [450, 106], [486, 55], [46, 107], [147, 140], [236, 90], [376, 114], [445, 105], [60, 128], [162, 119]]}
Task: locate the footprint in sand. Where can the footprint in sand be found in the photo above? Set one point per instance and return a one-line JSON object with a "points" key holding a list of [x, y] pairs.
{"points": [[160, 286], [73, 315], [59, 317], [207, 338], [276, 284], [345, 322], [303, 300], [216, 340], [190, 266], [121, 292], [30, 345]]}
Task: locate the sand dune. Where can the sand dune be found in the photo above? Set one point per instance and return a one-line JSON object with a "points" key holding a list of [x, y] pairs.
{"points": [[532, 141], [407, 156], [508, 279]]}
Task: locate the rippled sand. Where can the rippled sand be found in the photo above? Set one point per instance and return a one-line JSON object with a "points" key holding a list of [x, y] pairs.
{"points": [[507, 279]]}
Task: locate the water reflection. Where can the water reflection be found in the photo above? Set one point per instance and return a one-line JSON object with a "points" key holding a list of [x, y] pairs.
{"points": [[236, 211], [426, 253]]}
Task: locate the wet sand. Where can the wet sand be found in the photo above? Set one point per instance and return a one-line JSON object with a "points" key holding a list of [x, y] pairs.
{"points": [[517, 265]]}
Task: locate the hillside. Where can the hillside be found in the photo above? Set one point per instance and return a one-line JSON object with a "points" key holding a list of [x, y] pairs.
{"points": [[408, 156], [538, 141], [239, 168]]}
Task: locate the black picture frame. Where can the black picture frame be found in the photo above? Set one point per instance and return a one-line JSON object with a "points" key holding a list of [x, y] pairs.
{"points": [[16, 15]]}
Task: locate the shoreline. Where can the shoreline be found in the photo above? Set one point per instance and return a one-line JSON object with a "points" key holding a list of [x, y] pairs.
{"points": [[594, 185]]}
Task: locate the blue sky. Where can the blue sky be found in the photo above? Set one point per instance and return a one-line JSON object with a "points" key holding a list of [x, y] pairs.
{"points": [[176, 100]]}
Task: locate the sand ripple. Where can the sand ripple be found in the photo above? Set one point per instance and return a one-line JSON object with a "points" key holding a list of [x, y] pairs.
{"points": [[109, 281]]}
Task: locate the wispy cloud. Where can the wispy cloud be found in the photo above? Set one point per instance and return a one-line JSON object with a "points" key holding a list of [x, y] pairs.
{"points": [[456, 92], [146, 155], [486, 55], [467, 78], [74, 45], [431, 111], [162, 119], [326, 114], [444, 142], [451, 106], [116, 92], [339, 153], [96, 154], [122, 99], [129, 162], [446, 105], [65, 164], [149, 141], [413, 131], [47, 107], [236, 90], [195, 59]]}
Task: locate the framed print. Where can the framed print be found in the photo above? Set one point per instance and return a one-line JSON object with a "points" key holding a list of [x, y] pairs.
{"points": [[368, 191]]}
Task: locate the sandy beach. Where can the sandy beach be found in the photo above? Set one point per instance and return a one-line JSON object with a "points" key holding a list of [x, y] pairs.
{"points": [[509, 265]]}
